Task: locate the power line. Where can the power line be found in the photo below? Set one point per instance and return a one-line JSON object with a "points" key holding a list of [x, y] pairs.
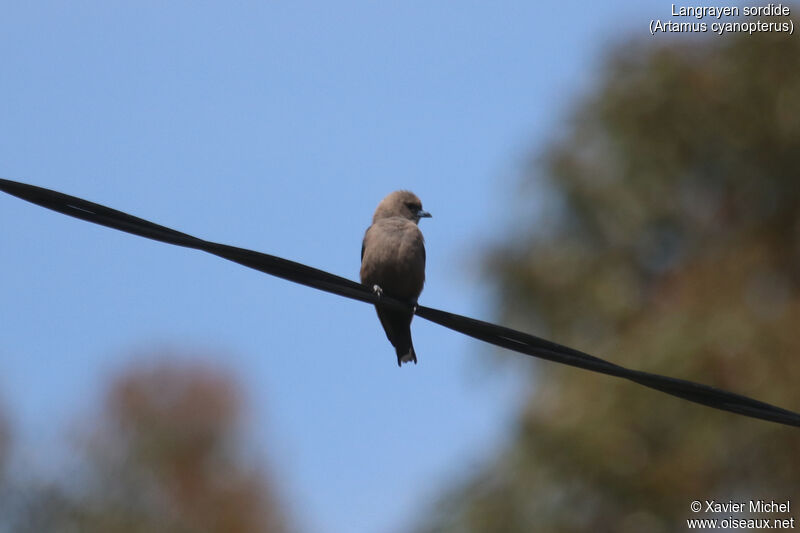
{"points": [[319, 279]]}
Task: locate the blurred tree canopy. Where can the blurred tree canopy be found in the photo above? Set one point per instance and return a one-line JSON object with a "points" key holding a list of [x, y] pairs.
{"points": [[164, 455], [670, 242]]}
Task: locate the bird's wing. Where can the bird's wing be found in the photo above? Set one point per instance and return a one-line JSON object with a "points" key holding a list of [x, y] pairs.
{"points": [[364, 243]]}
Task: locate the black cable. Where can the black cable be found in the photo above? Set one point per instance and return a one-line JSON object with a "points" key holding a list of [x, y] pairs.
{"points": [[319, 279]]}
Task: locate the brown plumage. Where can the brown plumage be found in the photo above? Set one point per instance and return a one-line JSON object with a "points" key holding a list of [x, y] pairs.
{"points": [[393, 263]]}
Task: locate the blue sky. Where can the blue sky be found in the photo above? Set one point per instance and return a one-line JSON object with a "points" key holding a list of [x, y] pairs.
{"points": [[279, 127]]}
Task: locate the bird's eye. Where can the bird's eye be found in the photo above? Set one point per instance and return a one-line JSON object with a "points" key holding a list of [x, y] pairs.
{"points": [[413, 207]]}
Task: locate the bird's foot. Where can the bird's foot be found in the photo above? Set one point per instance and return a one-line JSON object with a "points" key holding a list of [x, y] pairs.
{"points": [[377, 290]]}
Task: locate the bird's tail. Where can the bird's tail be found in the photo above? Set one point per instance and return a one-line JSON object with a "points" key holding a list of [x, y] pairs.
{"points": [[406, 357], [397, 326]]}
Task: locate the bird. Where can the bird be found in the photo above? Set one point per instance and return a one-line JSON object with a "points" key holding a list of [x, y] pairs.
{"points": [[393, 263]]}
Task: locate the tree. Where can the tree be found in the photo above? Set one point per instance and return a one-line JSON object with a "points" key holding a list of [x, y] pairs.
{"points": [[163, 456], [670, 242]]}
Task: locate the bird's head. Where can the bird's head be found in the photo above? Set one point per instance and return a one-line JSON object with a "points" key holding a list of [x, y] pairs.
{"points": [[404, 204]]}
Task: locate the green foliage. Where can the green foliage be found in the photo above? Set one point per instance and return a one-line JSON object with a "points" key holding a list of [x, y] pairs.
{"points": [[670, 243]]}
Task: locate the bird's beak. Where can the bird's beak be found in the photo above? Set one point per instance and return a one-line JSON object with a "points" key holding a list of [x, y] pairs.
{"points": [[423, 214]]}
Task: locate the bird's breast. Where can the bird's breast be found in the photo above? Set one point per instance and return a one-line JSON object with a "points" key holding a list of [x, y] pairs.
{"points": [[394, 258]]}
